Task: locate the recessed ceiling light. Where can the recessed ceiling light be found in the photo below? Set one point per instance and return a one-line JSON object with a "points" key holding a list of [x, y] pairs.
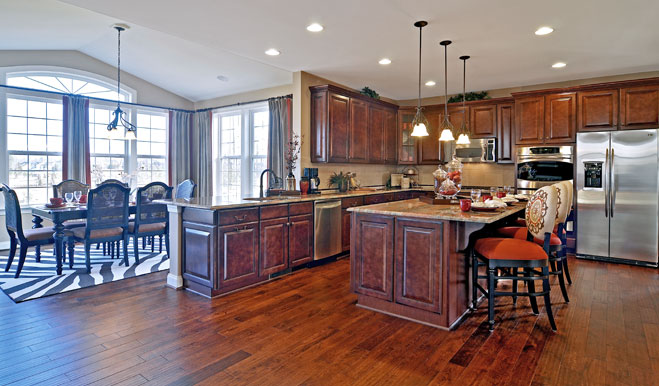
{"points": [[544, 31], [430, 83], [559, 65], [314, 27], [272, 52], [385, 61]]}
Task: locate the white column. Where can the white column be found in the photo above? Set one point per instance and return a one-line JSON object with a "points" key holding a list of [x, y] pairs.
{"points": [[175, 276]]}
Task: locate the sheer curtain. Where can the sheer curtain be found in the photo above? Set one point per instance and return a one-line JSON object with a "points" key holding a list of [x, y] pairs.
{"points": [[279, 133], [180, 145], [202, 153], [75, 139]]}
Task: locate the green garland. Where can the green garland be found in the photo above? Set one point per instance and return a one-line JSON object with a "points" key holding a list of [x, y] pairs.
{"points": [[370, 93], [470, 96]]}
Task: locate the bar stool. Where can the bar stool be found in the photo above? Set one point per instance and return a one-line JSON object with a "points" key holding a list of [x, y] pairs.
{"points": [[509, 254]]}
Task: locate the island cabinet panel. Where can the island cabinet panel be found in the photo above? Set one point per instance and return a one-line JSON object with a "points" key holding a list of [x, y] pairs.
{"points": [[529, 120], [319, 130], [199, 245], [483, 121], [238, 255], [372, 256], [597, 110], [505, 132], [274, 246], [376, 134], [390, 137], [338, 127], [345, 230], [300, 240], [639, 107], [358, 137], [560, 118], [418, 266]]}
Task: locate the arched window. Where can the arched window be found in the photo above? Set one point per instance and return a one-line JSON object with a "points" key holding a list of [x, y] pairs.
{"points": [[67, 84]]}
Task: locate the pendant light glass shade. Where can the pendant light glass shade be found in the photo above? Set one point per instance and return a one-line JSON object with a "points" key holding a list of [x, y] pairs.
{"points": [[420, 123], [446, 127], [120, 127], [463, 139]]}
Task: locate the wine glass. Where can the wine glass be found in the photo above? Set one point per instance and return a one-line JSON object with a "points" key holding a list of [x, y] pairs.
{"points": [[68, 197], [493, 191], [76, 195], [475, 195]]}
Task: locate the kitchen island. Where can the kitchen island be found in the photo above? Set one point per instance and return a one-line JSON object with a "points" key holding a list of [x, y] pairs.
{"points": [[408, 258]]}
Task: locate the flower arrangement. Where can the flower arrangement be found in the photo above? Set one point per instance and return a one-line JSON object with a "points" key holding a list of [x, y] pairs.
{"points": [[293, 153]]}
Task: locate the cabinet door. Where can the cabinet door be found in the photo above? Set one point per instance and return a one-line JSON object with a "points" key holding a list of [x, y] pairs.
{"points": [[407, 145], [238, 255], [345, 230], [372, 256], [483, 121], [358, 148], [274, 246], [560, 117], [529, 120], [319, 126], [505, 132], [390, 137], [375, 134], [597, 110], [419, 264], [639, 108], [300, 240], [339, 122], [429, 147], [199, 246]]}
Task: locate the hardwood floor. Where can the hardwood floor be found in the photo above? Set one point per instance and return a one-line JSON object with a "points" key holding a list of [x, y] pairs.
{"points": [[305, 329]]}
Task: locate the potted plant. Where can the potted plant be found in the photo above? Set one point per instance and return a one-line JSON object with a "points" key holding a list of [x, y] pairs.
{"points": [[340, 180]]}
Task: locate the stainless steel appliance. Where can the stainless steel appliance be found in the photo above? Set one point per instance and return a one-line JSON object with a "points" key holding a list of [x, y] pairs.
{"points": [[617, 193], [327, 228], [539, 166], [479, 150]]}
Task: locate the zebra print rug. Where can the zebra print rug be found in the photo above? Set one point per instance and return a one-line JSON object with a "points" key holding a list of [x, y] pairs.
{"points": [[38, 280]]}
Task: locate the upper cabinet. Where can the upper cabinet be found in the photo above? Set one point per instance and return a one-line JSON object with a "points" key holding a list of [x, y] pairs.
{"points": [[530, 120], [639, 107], [407, 148], [597, 110], [560, 117], [483, 121], [349, 127], [505, 132]]}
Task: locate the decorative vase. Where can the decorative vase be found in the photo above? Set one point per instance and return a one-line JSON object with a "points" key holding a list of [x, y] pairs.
{"points": [[290, 182], [343, 186], [304, 185]]}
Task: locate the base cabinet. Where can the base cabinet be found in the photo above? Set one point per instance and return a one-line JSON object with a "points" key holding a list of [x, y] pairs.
{"points": [[238, 255], [199, 242], [372, 256], [274, 246], [300, 240]]}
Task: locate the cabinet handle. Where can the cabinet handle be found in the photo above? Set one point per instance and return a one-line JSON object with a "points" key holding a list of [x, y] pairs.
{"points": [[242, 218], [240, 230]]}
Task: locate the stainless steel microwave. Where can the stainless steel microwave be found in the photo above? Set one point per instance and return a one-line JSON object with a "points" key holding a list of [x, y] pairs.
{"points": [[479, 150]]}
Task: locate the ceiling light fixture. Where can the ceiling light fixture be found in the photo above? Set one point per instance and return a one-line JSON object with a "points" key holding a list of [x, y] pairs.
{"points": [[420, 123], [222, 78], [119, 116], [463, 131], [446, 127], [430, 83], [544, 31], [272, 52], [385, 61], [315, 27], [559, 65]]}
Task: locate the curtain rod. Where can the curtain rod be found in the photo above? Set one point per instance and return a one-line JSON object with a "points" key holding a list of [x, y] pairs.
{"points": [[140, 104]]}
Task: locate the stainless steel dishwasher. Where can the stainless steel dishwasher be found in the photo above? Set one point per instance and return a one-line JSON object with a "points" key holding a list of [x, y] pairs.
{"points": [[327, 228]]}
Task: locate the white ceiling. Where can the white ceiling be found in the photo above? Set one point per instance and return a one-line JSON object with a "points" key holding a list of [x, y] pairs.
{"points": [[183, 48]]}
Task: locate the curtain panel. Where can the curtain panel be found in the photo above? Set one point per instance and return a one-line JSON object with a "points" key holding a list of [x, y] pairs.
{"points": [[75, 139], [180, 130], [202, 153], [279, 133]]}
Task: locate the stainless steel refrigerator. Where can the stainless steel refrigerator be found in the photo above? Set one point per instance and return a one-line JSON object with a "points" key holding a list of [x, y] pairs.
{"points": [[617, 196]]}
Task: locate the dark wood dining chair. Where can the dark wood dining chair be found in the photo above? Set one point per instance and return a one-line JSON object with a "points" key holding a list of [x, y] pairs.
{"points": [[150, 218], [185, 189], [109, 248], [107, 219], [113, 181], [17, 236], [69, 186]]}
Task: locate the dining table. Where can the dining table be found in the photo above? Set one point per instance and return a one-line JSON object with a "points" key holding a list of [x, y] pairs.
{"points": [[58, 216]]}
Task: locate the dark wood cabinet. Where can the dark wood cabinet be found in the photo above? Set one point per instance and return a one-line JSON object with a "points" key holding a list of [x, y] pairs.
{"points": [[429, 147], [199, 242], [338, 127], [238, 255], [372, 256], [274, 246], [418, 264], [560, 118], [376, 134], [378, 198], [505, 133], [319, 129], [407, 145], [483, 121], [300, 240], [390, 137], [597, 110], [529, 120], [345, 230], [639, 107], [358, 147]]}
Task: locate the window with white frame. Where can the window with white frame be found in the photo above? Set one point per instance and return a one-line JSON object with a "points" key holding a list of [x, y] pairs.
{"points": [[240, 150], [67, 84], [108, 157], [151, 147]]}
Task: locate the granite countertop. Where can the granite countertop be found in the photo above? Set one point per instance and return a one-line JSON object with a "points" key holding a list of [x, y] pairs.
{"points": [[215, 203], [417, 209]]}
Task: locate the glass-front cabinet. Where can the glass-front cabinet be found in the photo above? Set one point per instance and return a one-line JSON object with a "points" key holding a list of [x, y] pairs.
{"points": [[407, 151]]}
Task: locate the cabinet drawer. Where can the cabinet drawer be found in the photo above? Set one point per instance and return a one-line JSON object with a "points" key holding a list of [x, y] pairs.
{"points": [[378, 198], [237, 216], [352, 202], [301, 208], [274, 211]]}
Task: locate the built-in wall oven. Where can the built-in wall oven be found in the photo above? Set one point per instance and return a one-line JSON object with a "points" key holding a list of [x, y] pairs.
{"points": [[539, 166]]}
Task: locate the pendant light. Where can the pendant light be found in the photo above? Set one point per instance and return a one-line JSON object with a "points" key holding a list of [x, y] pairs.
{"points": [[446, 127], [129, 131], [463, 132], [420, 123]]}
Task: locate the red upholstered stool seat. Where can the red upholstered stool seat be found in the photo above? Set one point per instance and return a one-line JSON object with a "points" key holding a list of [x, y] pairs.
{"points": [[521, 232], [499, 248]]}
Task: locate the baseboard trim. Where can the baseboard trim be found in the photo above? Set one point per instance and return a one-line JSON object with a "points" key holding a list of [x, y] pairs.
{"points": [[174, 281]]}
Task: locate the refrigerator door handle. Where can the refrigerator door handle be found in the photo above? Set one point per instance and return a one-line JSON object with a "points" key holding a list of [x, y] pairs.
{"points": [[606, 183], [613, 187]]}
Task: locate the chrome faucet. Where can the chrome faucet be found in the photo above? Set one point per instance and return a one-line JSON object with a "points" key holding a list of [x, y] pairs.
{"points": [[261, 181]]}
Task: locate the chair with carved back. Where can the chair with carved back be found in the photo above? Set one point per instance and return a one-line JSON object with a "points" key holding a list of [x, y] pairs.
{"points": [[69, 186], [150, 218], [110, 248], [185, 189], [17, 236]]}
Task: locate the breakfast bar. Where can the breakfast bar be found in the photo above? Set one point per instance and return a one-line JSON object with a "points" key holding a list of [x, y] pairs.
{"points": [[408, 258]]}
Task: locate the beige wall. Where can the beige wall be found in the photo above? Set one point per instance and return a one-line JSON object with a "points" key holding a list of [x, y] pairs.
{"points": [[475, 174], [245, 97]]}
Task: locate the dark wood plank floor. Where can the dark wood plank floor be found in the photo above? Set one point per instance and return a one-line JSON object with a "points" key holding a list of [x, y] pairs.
{"points": [[305, 329]]}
